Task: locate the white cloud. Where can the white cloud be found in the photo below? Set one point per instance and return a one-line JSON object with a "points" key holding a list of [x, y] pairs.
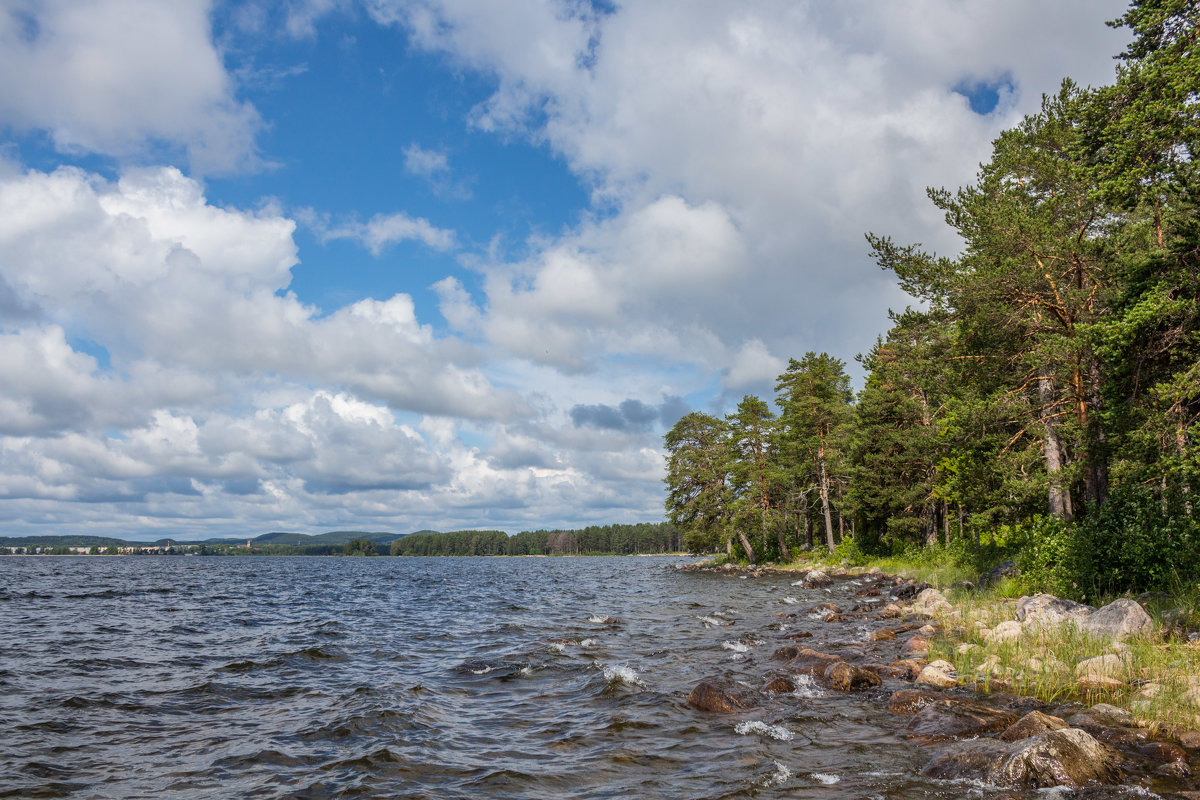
{"points": [[425, 163], [123, 77], [380, 231]]}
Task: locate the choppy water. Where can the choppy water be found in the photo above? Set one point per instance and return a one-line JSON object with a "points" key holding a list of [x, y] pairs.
{"points": [[416, 678]]}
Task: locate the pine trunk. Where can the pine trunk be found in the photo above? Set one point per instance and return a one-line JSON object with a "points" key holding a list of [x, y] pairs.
{"points": [[825, 498], [1059, 498]]}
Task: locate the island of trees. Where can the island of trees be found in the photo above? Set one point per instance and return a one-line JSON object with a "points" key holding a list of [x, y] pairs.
{"points": [[1044, 398]]}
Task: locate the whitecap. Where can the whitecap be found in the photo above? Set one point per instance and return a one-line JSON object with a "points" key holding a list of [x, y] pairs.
{"points": [[588, 643], [483, 671], [758, 726], [781, 774], [596, 619], [791, 601], [737, 647], [558, 647], [618, 675], [710, 622], [806, 686], [798, 583], [821, 777]]}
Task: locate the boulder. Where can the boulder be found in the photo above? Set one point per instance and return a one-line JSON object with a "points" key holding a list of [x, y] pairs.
{"points": [[1107, 714], [721, 695], [811, 662], [822, 608], [1102, 672], [908, 701], [939, 673], [1120, 619], [780, 686], [1004, 632], [844, 677], [817, 580], [1032, 724], [908, 589], [931, 602], [952, 718], [1005, 569], [1163, 752], [1046, 609], [787, 652], [1067, 757], [890, 611], [1190, 740], [909, 668], [883, 635]]}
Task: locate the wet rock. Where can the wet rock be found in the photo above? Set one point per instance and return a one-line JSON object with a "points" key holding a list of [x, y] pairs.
{"points": [[1005, 569], [822, 608], [798, 635], [1046, 609], [786, 653], [845, 677], [721, 695], [952, 718], [931, 602], [916, 645], [1190, 740], [1107, 714], [780, 686], [1111, 734], [1032, 724], [1163, 752], [1067, 757], [909, 668], [939, 673], [1174, 769], [817, 580], [868, 591], [883, 635], [908, 589], [890, 611], [811, 662], [909, 701], [1120, 619]]}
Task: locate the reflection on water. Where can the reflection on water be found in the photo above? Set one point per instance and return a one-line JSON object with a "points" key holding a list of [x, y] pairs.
{"points": [[438, 678]]}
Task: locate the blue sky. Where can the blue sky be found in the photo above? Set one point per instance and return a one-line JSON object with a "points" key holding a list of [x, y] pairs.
{"points": [[406, 264]]}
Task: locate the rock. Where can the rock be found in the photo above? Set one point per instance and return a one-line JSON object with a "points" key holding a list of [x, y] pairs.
{"points": [[952, 718], [1174, 769], [931, 602], [822, 608], [786, 653], [908, 701], [916, 645], [965, 648], [1163, 752], [909, 668], [884, 635], [1004, 632], [1046, 609], [1120, 619], [1102, 672], [811, 662], [868, 591], [1032, 724], [939, 673], [1067, 757], [798, 635], [1107, 714], [928, 629], [1190, 740], [817, 580], [890, 611], [1106, 733], [908, 589], [1005, 569], [780, 686], [1148, 598], [966, 586], [845, 677], [721, 695]]}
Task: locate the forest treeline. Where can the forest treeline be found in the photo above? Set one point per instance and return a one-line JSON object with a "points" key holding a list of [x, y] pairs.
{"points": [[660, 537], [1045, 395]]}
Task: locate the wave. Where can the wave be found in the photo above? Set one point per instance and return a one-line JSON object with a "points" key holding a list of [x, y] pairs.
{"points": [[763, 729]]}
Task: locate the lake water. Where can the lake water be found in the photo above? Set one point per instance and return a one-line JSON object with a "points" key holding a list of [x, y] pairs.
{"points": [[162, 677]]}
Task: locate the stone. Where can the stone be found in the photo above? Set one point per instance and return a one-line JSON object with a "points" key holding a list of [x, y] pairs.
{"points": [[1004, 632], [1163, 752], [916, 645], [1102, 672], [1005, 569], [1190, 740], [1067, 757], [1120, 619], [786, 653], [1032, 724], [845, 677], [890, 611], [884, 635], [965, 648], [952, 718], [909, 701], [721, 695], [909, 668], [1107, 714], [822, 608], [799, 635], [811, 662], [1046, 609], [1174, 769], [780, 686], [931, 602], [817, 580], [939, 673]]}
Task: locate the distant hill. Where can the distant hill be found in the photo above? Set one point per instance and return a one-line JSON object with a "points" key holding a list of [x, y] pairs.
{"points": [[275, 537], [60, 541]]}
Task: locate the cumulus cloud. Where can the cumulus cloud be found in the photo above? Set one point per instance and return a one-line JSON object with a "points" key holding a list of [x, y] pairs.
{"points": [[122, 77], [380, 231]]}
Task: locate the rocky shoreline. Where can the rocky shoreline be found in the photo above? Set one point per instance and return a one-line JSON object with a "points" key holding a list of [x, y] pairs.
{"points": [[997, 737]]}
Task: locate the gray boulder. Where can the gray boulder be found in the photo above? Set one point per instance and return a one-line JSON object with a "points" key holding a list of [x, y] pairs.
{"points": [[1047, 609], [1005, 569], [1120, 619], [1067, 757]]}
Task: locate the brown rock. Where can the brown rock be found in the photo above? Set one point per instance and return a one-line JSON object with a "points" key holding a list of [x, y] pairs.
{"points": [[1190, 739], [939, 673], [1163, 752], [721, 695], [890, 611], [909, 667], [798, 635], [869, 591], [824, 607], [1174, 769], [844, 677], [1031, 724], [957, 719], [884, 635], [810, 662], [909, 701], [787, 652], [780, 686], [917, 645]]}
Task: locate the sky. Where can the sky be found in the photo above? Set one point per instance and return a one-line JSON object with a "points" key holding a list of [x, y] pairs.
{"points": [[394, 265]]}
